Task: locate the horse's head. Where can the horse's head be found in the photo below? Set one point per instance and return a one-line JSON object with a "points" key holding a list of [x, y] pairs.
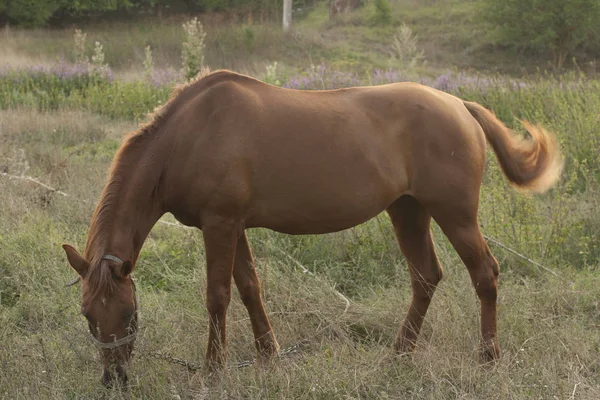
{"points": [[109, 304]]}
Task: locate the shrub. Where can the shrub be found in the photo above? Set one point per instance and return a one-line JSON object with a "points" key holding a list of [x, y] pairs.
{"points": [[383, 12], [148, 63], [31, 13], [405, 52], [271, 76], [192, 54], [547, 26], [98, 59], [79, 48]]}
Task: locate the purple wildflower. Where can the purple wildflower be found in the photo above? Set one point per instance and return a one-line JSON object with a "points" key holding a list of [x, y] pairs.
{"points": [[320, 77], [380, 77], [164, 77]]}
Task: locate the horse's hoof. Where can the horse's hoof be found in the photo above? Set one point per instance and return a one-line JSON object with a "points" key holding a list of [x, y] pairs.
{"points": [[490, 352], [404, 346], [268, 349]]}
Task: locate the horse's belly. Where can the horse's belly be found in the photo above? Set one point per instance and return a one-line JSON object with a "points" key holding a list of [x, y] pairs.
{"points": [[314, 214], [306, 227]]}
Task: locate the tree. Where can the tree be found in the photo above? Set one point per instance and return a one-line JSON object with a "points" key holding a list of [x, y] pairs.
{"points": [[30, 13], [558, 27]]}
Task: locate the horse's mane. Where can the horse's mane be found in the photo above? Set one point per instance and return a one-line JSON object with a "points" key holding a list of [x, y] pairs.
{"points": [[100, 276]]}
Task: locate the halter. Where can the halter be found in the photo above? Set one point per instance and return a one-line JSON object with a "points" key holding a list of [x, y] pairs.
{"points": [[125, 339]]}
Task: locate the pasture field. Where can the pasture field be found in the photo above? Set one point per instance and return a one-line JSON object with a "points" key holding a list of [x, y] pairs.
{"points": [[62, 124]]}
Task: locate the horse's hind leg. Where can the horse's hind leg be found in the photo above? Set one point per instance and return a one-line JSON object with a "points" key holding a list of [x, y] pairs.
{"points": [[248, 285], [220, 239], [459, 223], [411, 224]]}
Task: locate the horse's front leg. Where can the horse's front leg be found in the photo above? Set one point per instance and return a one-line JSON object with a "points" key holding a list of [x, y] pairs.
{"points": [[248, 285], [220, 239]]}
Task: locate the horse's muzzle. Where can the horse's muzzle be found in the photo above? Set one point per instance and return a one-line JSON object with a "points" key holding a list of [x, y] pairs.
{"points": [[118, 376]]}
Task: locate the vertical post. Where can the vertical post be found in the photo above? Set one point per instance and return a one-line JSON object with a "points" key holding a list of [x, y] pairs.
{"points": [[287, 14]]}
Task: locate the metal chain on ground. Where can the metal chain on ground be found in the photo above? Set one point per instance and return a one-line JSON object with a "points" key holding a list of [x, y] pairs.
{"points": [[191, 367], [174, 360]]}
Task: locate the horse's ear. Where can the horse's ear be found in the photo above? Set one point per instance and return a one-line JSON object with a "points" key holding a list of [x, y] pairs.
{"points": [[126, 268], [77, 262]]}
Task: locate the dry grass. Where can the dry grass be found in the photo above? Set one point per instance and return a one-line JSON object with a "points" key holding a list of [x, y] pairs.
{"points": [[241, 47], [13, 57], [548, 326], [80, 125]]}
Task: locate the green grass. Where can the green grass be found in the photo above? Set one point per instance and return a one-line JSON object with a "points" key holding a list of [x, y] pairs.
{"points": [[548, 325], [449, 31], [66, 133]]}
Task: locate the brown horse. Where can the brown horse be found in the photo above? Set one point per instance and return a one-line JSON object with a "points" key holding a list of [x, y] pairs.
{"points": [[228, 152]]}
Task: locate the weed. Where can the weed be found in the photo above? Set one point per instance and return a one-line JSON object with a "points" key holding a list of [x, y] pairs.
{"points": [[148, 63], [79, 47], [192, 53], [383, 12], [271, 75], [405, 52]]}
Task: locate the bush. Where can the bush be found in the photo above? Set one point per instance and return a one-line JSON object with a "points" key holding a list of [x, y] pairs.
{"points": [[35, 13], [405, 52], [192, 53], [32, 13], [383, 12], [547, 26]]}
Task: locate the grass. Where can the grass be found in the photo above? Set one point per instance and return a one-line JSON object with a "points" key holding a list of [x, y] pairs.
{"points": [[548, 325], [243, 47], [449, 32], [66, 131]]}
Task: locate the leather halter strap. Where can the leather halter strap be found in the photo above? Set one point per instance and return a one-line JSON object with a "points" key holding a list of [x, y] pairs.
{"points": [[116, 343], [125, 339], [110, 257]]}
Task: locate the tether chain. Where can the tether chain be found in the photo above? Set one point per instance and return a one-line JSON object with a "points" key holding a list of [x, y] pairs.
{"points": [[296, 348], [184, 363]]}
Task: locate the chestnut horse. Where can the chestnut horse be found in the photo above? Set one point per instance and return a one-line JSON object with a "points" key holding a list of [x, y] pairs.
{"points": [[228, 152]]}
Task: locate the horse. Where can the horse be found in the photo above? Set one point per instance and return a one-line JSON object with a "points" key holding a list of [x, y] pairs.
{"points": [[228, 152]]}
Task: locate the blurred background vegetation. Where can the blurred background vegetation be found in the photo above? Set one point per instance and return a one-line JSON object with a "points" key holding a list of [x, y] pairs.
{"points": [[555, 30]]}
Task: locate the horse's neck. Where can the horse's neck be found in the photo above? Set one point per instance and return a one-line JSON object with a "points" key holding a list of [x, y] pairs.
{"points": [[128, 209]]}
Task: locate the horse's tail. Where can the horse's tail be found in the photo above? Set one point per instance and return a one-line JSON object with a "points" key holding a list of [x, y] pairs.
{"points": [[532, 165]]}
